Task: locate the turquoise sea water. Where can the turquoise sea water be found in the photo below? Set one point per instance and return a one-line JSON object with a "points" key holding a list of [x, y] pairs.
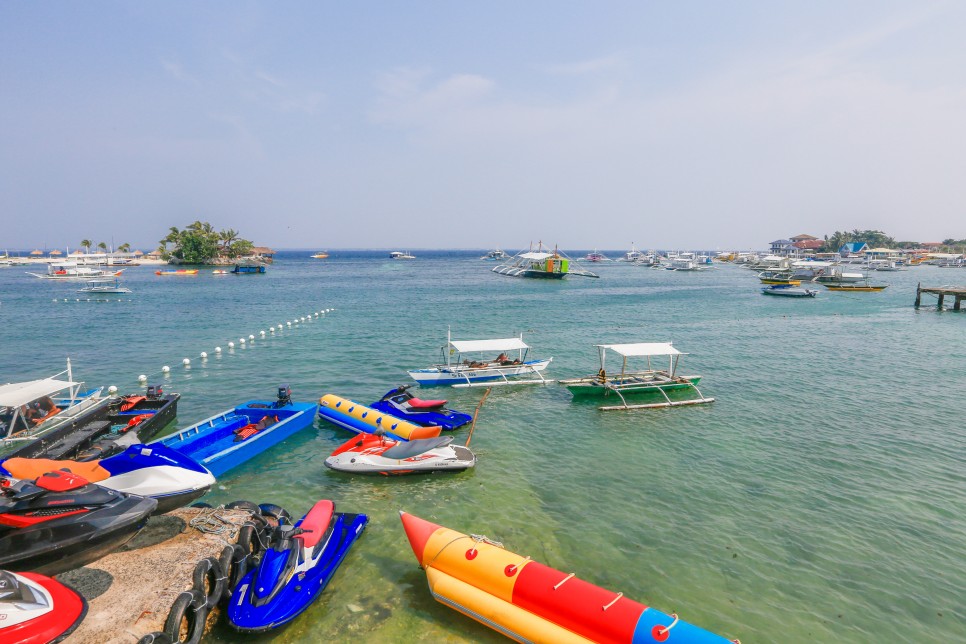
{"points": [[820, 498]]}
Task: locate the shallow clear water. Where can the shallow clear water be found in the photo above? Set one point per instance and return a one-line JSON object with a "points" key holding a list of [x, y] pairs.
{"points": [[820, 498]]}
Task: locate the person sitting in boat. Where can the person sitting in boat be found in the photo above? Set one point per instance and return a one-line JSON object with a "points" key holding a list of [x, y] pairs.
{"points": [[32, 413], [502, 358], [46, 405]]}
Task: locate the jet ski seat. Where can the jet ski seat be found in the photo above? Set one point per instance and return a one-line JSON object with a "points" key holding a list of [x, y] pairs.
{"points": [[316, 521], [408, 449], [417, 403], [33, 468]]}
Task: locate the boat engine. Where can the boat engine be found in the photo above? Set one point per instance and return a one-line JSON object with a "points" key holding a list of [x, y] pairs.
{"points": [[284, 396], [155, 391]]}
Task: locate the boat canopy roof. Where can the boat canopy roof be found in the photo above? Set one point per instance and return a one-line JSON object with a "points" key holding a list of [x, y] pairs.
{"points": [[642, 349], [535, 255], [16, 394], [503, 344]]}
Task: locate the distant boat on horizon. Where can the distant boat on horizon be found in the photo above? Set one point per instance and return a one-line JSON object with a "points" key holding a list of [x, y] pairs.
{"points": [[320, 255]]}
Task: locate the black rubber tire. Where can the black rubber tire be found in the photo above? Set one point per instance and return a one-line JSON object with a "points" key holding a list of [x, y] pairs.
{"points": [[209, 573], [234, 563], [201, 505], [277, 512], [251, 541], [157, 637], [243, 505], [189, 607]]}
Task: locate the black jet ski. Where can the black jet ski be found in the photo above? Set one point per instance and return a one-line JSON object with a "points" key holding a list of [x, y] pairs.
{"points": [[61, 522]]}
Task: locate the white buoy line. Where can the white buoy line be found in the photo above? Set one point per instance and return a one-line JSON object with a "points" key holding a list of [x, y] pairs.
{"points": [[242, 343]]}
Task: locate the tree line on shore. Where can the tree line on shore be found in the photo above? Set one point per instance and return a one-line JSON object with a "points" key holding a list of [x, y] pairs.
{"points": [[200, 243], [877, 239]]}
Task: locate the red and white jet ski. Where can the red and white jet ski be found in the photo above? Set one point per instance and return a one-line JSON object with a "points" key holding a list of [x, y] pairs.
{"points": [[377, 454], [36, 610]]}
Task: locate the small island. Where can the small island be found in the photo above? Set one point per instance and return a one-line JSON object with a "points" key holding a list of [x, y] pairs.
{"points": [[200, 243]]}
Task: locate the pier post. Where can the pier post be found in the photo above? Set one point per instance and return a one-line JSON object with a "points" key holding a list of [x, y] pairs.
{"points": [[959, 301], [940, 304], [918, 294]]}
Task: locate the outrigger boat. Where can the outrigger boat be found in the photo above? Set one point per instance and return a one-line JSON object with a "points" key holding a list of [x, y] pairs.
{"points": [[530, 602], [778, 277], [648, 381], [32, 409], [483, 372], [856, 287], [104, 287], [542, 264], [71, 271], [495, 255]]}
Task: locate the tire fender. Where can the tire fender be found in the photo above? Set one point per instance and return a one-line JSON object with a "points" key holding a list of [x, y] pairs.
{"points": [[209, 574], [190, 607]]}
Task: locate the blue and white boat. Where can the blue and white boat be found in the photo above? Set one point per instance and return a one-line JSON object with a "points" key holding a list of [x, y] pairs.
{"points": [[471, 366], [228, 439], [428, 413], [248, 269]]}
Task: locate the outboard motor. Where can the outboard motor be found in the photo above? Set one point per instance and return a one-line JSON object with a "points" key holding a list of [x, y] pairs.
{"points": [[155, 391], [284, 396]]}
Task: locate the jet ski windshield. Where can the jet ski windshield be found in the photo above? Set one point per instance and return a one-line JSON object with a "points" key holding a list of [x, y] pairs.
{"points": [[18, 594]]}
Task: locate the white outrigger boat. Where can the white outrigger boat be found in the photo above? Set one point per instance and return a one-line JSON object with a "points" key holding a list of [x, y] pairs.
{"points": [[71, 271], [30, 409], [647, 381], [479, 371], [104, 286], [542, 264]]}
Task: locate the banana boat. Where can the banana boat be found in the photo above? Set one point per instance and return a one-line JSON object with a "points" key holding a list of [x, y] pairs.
{"points": [[530, 602]]}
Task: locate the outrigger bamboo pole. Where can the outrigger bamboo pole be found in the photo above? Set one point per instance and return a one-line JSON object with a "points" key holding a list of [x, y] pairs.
{"points": [[477, 413]]}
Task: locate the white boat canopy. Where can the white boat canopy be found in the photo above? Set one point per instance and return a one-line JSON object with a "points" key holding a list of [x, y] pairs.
{"points": [[16, 394], [535, 255], [641, 349], [503, 344]]}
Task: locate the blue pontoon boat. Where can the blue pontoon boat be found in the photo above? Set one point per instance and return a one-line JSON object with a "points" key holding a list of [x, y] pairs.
{"points": [[232, 437]]}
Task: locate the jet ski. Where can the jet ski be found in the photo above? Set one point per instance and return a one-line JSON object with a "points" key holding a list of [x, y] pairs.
{"points": [[377, 454], [428, 413], [36, 610], [294, 569], [61, 522], [153, 471]]}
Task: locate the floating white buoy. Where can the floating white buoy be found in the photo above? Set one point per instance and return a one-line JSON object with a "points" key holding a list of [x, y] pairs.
{"points": [[217, 349], [316, 315], [142, 378], [186, 362], [165, 369], [204, 355], [241, 340], [231, 345], [289, 323], [302, 319], [251, 337], [272, 329], [112, 390], [261, 333]]}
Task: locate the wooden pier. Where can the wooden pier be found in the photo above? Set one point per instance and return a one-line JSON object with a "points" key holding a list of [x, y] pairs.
{"points": [[957, 292]]}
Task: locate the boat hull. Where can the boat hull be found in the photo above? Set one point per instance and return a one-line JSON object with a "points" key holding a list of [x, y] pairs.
{"points": [[790, 292], [589, 389], [218, 444], [459, 374]]}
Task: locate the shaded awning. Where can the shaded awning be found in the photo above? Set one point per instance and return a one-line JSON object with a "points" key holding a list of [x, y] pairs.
{"points": [[642, 349], [535, 255], [16, 394], [503, 344]]}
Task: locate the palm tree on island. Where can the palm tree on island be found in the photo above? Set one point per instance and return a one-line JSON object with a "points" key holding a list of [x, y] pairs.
{"points": [[200, 243]]}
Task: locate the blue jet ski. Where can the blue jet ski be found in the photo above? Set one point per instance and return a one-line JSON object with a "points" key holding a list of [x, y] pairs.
{"points": [[294, 569], [428, 413]]}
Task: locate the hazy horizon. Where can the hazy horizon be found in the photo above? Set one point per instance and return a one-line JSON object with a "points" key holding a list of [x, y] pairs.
{"points": [[427, 126]]}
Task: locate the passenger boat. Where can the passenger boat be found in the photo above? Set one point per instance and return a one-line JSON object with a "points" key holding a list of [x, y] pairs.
{"points": [[181, 272], [376, 454], [71, 271], [596, 257], [320, 255], [398, 254], [358, 418], [237, 435], [428, 413], [541, 264], [530, 602], [32, 409], [478, 371], [495, 255], [35, 609], [778, 277], [123, 421], [296, 566], [835, 275], [646, 381], [248, 269], [103, 287], [787, 290], [856, 287], [632, 256]]}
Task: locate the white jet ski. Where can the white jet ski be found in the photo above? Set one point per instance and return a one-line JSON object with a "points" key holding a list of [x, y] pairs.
{"points": [[377, 454]]}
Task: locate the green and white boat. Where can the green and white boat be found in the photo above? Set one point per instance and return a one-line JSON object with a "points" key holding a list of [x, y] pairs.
{"points": [[640, 383]]}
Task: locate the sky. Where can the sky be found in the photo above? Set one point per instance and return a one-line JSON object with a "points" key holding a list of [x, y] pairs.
{"points": [[711, 125]]}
